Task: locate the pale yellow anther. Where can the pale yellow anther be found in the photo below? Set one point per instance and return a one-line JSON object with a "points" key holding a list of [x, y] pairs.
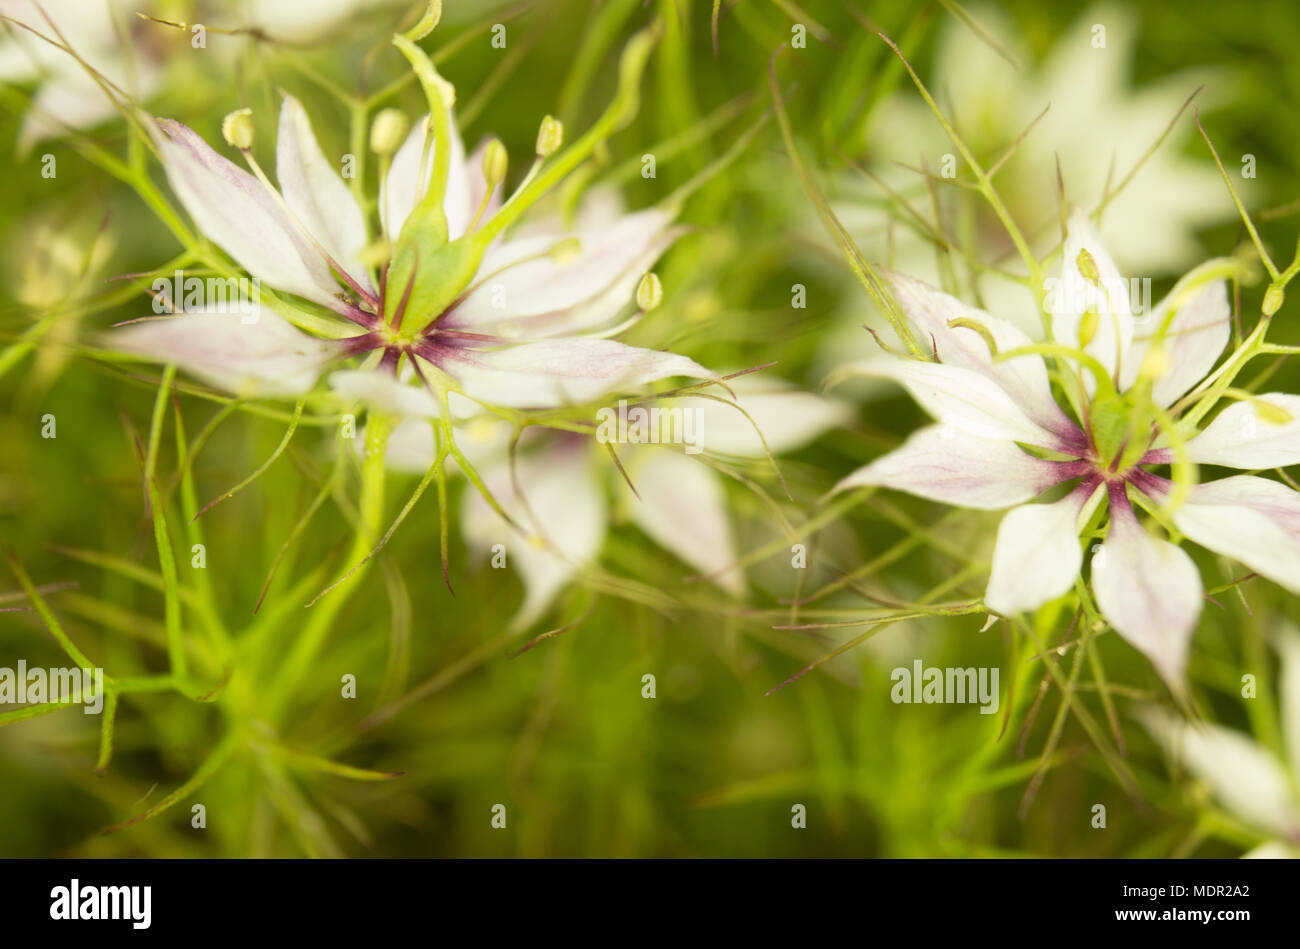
{"points": [[388, 131], [495, 163], [1088, 328], [237, 129], [550, 136], [1087, 266], [649, 292]]}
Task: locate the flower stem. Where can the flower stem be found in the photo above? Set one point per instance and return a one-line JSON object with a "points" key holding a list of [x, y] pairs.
{"points": [[370, 517]]}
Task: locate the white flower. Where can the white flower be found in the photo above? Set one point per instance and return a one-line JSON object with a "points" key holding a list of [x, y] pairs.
{"points": [[987, 408], [1097, 125], [67, 97], [1246, 778], [565, 482], [507, 336]]}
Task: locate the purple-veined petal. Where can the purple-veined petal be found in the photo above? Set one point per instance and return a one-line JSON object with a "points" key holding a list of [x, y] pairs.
{"points": [[1196, 335], [242, 216], [259, 354], [1242, 436], [1024, 377], [946, 464], [683, 508], [316, 194], [1038, 554], [1252, 520], [1103, 291], [1242, 775], [959, 398], [523, 278], [405, 185], [1149, 590], [557, 372], [563, 503]]}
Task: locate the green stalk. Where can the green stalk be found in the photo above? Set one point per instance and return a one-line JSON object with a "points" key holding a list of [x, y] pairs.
{"points": [[323, 614]]}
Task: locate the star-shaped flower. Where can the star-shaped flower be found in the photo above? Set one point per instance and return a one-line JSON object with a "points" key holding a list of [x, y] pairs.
{"points": [[1003, 440], [508, 332]]}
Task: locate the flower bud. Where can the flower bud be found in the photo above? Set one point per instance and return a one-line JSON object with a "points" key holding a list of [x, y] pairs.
{"points": [[649, 292], [237, 129], [550, 136], [495, 163], [387, 131]]}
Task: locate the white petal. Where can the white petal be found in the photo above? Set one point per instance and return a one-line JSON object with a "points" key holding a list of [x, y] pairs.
{"points": [[788, 418], [527, 281], [380, 390], [299, 23], [405, 185], [268, 357], [1288, 686], [588, 315], [1240, 437], [568, 509], [959, 398], [945, 464], [1107, 295], [559, 372], [410, 446], [683, 508], [1271, 850], [1193, 340], [61, 103], [1037, 555], [1024, 377], [1150, 591], [1252, 520], [237, 211], [316, 194], [1244, 778]]}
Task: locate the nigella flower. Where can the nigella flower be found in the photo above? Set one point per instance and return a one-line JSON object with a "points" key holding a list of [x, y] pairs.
{"points": [[499, 315], [1248, 780], [564, 481], [1123, 375], [1098, 125], [66, 95]]}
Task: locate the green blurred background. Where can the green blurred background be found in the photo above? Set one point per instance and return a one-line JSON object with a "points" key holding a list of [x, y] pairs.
{"points": [[561, 734]]}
